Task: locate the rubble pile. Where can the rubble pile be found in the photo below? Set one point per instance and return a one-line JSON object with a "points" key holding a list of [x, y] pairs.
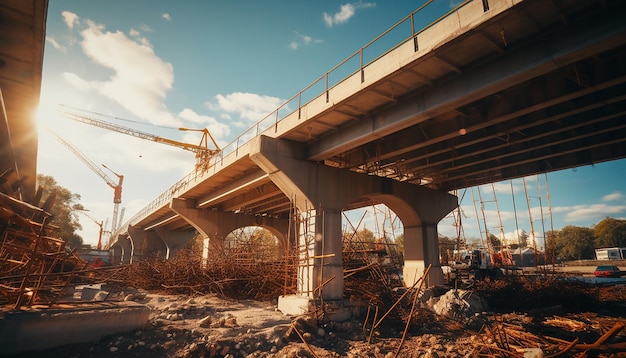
{"points": [[552, 291], [35, 265], [211, 326], [573, 335], [229, 275]]}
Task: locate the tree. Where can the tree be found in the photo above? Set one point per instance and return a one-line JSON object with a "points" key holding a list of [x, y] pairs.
{"points": [[367, 238], [494, 242], [63, 210], [266, 244], [400, 243], [523, 238], [446, 248], [551, 246], [610, 233], [575, 243]]}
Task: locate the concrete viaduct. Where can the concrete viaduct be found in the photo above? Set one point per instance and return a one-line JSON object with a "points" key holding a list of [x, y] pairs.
{"points": [[493, 90]]}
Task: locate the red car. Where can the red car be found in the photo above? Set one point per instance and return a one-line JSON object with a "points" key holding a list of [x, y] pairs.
{"points": [[607, 271]]}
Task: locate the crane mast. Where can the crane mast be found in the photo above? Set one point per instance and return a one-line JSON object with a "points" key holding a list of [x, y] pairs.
{"points": [[99, 223], [117, 188], [202, 151]]}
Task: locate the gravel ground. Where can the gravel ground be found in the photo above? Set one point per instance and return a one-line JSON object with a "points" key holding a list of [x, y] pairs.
{"points": [[211, 326]]}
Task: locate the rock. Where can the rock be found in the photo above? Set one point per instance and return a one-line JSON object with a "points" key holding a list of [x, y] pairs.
{"points": [[533, 353]]}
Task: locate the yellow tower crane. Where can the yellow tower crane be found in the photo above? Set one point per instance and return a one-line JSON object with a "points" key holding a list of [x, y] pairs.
{"points": [[117, 188], [202, 151]]}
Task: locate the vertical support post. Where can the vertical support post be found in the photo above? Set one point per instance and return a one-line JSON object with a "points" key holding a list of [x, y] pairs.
{"points": [[328, 243]]}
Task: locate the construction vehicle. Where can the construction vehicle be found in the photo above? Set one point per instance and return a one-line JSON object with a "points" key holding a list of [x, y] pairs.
{"points": [[477, 264], [117, 188], [202, 151]]}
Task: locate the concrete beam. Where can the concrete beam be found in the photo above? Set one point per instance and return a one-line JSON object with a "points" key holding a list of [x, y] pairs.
{"points": [[513, 67]]}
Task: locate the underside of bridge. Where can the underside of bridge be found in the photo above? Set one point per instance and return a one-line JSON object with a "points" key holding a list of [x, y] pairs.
{"points": [[570, 114], [22, 36]]}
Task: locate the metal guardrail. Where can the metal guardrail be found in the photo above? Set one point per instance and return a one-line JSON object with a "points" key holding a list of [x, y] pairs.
{"points": [[273, 118]]}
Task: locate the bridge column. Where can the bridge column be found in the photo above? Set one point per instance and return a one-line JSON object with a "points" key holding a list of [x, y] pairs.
{"points": [[317, 193], [313, 185], [418, 254], [126, 251], [147, 244], [117, 252], [328, 268], [174, 240]]}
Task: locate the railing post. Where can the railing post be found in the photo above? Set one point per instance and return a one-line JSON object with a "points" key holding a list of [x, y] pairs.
{"points": [[327, 95], [415, 44], [361, 65], [300, 105]]}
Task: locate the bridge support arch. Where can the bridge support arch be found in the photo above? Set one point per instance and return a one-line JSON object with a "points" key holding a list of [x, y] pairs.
{"points": [[215, 225], [173, 240], [315, 186], [121, 250], [146, 244]]}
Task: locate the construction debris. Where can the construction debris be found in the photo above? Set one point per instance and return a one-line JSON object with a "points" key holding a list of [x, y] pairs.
{"points": [[35, 265], [390, 320]]}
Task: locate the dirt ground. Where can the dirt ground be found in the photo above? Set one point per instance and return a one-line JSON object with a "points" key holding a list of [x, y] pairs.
{"points": [[212, 326]]}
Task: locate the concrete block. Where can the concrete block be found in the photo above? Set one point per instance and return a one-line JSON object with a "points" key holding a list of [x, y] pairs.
{"points": [[23, 331], [294, 305]]}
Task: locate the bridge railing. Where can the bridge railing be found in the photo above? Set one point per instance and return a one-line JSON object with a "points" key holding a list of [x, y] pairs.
{"points": [[395, 36]]}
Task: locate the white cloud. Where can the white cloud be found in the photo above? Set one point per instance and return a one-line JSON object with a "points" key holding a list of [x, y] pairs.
{"points": [[70, 19], [505, 187], [75, 81], [613, 196], [140, 79], [145, 28], [250, 106], [55, 44], [302, 40], [217, 130], [167, 17], [346, 12], [581, 213]]}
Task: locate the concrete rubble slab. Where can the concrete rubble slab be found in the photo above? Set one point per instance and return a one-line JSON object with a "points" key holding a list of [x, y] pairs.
{"points": [[43, 328]]}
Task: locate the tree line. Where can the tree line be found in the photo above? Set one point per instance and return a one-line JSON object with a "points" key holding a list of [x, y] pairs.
{"points": [[579, 243], [569, 243]]}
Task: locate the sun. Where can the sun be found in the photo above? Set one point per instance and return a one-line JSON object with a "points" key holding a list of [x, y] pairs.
{"points": [[44, 115]]}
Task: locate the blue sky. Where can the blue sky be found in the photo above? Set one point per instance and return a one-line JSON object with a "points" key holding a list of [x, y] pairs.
{"points": [[224, 65]]}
